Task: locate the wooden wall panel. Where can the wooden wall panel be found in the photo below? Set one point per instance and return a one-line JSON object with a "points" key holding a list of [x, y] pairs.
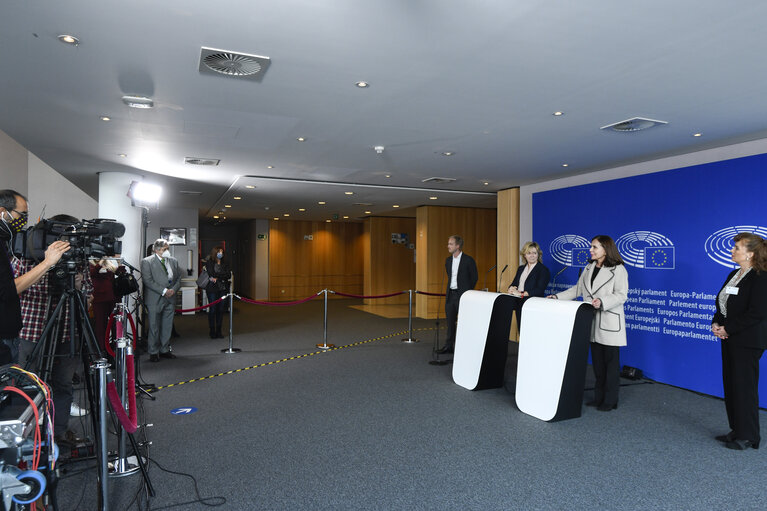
{"points": [[435, 224], [508, 241], [333, 259], [388, 267]]}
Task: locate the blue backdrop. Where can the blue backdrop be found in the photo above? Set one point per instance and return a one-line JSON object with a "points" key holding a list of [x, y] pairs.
{"points": [[674, 230]]}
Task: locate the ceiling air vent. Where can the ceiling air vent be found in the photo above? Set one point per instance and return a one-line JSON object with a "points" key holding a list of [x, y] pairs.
{"points": [[189, 192], [633, 124], [209, 162], [236, 65], [438, 180]]}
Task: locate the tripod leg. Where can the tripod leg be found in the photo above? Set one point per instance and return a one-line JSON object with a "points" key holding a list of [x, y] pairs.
{"points": [[140, 461]]}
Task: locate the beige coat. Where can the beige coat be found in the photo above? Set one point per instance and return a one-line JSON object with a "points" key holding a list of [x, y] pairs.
{"points": [[611, 286]]}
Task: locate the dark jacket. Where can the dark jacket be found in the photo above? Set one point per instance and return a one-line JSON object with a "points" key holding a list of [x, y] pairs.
{"points": [[536, 282], [221, 276], [467, 273], [746, 321], [10, 309]]}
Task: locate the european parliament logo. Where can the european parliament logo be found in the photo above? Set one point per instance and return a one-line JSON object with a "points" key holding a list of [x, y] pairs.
{"points": [[647, 249], [718, 246], [570, 250]]}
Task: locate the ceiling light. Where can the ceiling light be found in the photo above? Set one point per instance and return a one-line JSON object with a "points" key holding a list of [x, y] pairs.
{"points": [[301, 209], [698, 135], [105, 118], [557, 114], [565, 164], [387, 176], [276, 218], [448, 153], [286, 214], [215, 216], [138, 101], [328, 221], [346, 216], [236, 198], [122, 155], [367, 212], [69, 39], [249, 187], [362, 85], [485, 183], [227, 205], [270, 166], [348, 193], [321, 203], [301, 139], [379, 149], [432, 198], [395, 205]]}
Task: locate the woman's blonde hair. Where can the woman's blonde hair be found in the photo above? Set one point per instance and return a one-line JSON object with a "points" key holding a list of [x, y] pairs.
{"points": [[528, 246]]}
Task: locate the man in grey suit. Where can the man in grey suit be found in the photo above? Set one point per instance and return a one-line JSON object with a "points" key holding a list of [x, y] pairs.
{"points": [[162, 279]]}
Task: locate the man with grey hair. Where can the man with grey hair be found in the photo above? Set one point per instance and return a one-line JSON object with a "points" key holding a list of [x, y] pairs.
{"points": [[162, 280]]}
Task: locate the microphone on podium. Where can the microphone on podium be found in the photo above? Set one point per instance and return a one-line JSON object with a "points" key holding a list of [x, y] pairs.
{"points": [[500, 277], [488, 271]]}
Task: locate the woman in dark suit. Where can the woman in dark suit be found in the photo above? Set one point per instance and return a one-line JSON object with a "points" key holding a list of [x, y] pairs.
{"points": [[218, 286], [741, 324], [531, 279]]}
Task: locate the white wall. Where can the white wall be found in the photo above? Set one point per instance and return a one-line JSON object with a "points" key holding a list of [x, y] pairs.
{"points": [[13, 165], [675, 162], [50, 190]]}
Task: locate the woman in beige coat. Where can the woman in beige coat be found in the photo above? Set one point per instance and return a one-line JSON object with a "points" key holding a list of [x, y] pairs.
{"points": [[604, 284]]}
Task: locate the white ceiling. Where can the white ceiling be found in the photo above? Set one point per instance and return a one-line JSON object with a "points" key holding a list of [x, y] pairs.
{"points": [[479, 78]]}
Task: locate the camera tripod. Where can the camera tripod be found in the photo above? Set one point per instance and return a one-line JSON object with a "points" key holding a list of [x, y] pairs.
{"points": [[71, 314]]}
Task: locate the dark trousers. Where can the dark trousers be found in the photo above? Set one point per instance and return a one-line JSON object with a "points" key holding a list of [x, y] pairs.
{"points": [[101, 312], [452, 300], [606, 363], [215, 312], [740, 377]]}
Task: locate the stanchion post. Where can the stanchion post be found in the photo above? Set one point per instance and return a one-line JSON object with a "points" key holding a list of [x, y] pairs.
{"points": [[122, 467], [410, 318], [100, 369], [231, 323], [325, 345]]}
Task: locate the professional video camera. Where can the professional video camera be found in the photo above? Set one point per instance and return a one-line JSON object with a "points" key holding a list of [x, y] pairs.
{"points": [[89, 239]]}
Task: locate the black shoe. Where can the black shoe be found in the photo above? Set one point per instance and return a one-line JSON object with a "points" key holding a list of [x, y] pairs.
{"points": [[594, 403], [606, 408], [213, 335], [154, 358], [167, 355], [729, 437], [741, 445], [219, 335]]}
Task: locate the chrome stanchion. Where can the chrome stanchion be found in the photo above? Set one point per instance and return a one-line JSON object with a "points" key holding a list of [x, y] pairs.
{"points": [[325, 345], [122, 466], [100, 368], [231, 324], [410, 318]]}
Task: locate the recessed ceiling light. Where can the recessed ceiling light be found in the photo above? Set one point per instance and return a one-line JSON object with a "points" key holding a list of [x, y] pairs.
{"points": [[122, 155], [565, 164], [346, 216], [301, 139], [249, 187], [557, 114], [270, 166], [328, 221], [348, 193], [227, 205], [485, 183], [321, 203], [448, 153], [105, 118], [367, 212], [138, 101], [276, 218], [301, 209], [387, 176], [236, 198], [286, 214], [215, 216], [698, 135], [69, 39], [362, 85], [432, 198], [395, 205]]}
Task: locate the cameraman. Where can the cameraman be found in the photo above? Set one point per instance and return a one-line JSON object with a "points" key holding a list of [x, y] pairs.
{"points": [[38, 302], [13, 218]]}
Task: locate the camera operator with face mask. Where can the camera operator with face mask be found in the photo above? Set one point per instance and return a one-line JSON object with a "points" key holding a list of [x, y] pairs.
{"points": [[38, 302], [13, 218]]}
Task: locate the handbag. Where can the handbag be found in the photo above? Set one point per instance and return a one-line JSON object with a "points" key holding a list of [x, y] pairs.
{"points": [[124, 284], [203, 279]]}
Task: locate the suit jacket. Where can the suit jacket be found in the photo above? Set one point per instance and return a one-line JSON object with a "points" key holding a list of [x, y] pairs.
{"points": [[467, 273], [536, 281], [155, 279], [746, 321], [611, 286]]}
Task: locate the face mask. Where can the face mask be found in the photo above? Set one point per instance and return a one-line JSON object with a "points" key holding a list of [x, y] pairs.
{"points": [[15, 224], [220, 255], [166, 254]]}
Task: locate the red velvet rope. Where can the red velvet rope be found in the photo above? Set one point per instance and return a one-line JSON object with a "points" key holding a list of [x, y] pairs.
{"points": [[339, 293], [107, 334], [204, 306], [429, 294], [129, 422], [278, 304]]}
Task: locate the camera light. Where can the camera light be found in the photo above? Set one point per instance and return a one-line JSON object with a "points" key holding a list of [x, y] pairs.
{"points": [[145, 192]]}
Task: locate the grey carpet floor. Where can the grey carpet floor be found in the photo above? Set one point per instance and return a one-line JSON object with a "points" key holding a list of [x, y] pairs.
{"points": [[373, 426]]}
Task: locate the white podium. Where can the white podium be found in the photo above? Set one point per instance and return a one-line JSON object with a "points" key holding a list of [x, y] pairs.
{"points": [[482, 339], [553, 354]]}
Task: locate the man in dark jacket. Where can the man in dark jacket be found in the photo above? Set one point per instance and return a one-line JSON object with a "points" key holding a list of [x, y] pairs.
{"points": [[462, 276]]}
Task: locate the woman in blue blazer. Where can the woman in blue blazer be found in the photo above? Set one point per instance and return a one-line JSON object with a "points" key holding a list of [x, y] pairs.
{"points": [[741, 324], [531, 279]]}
